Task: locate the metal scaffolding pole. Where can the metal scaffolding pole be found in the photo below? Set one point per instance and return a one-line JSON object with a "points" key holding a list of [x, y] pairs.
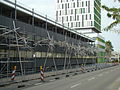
{"points": [[15, 9], [19, 55]]}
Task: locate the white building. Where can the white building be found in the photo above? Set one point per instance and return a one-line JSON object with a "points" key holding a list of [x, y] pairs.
{"points": [[81, 15]]}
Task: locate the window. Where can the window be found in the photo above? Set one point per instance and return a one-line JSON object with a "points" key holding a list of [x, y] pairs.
{"points": [[82, 4], [86, 16], [88, 6], [57, 1], [77, 3], [72, 24], [90, 16], [86, 3], [70, 18], [56, 13], [79, 24], [68, 5], [71, 11], [75, 14], [62, 19], [67, 18], [68, 24], [80, 10], [74, 4], [76, 24], [78, 17], [91, 23], [82, 20], [60, 12], [62, 6], [83, 10]]}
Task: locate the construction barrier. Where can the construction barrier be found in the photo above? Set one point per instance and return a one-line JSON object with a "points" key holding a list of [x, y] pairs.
{"points": [[41, 73], [82, 68], [13, 73]]}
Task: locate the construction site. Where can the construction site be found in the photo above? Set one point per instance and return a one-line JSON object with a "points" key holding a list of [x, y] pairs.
{"points": [[29, 40], [35, 50]]}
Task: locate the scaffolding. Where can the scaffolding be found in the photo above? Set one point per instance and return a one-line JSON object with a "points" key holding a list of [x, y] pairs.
{"points": [[13, 42]]}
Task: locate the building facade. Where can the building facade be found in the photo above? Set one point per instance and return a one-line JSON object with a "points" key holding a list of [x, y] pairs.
{"points": [[29, 40], [81, 15], [100, 44]]}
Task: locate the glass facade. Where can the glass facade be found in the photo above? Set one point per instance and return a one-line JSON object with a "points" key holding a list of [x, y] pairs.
{"points": [[101, 47], [97, 14]]}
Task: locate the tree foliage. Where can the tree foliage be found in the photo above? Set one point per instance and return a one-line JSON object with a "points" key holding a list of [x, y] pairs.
{"points": [[113, 13], [108, 48]]}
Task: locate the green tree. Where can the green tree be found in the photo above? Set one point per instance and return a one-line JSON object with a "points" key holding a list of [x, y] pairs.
{"points": [[113, 13], [108, 49]]}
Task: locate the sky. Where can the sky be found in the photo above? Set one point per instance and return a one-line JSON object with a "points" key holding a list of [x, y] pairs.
{"points": [[48, 7]]}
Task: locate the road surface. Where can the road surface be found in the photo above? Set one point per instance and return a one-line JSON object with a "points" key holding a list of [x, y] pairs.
{"points": [[105, 79]]}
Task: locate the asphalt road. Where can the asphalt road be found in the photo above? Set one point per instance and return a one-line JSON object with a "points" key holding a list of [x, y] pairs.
{"points": [[105, 79]]}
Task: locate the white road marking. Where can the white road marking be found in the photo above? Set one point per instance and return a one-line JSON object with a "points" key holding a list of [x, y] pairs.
{"points": [[37, 83], [52, 80], [91, 78], [75, 85]]}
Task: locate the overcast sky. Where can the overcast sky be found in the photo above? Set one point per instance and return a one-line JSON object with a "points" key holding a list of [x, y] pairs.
{"points": [[48, 7]]}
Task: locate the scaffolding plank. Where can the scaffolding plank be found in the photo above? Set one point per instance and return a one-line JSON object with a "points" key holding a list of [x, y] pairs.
{"points": [[12, 45]]}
